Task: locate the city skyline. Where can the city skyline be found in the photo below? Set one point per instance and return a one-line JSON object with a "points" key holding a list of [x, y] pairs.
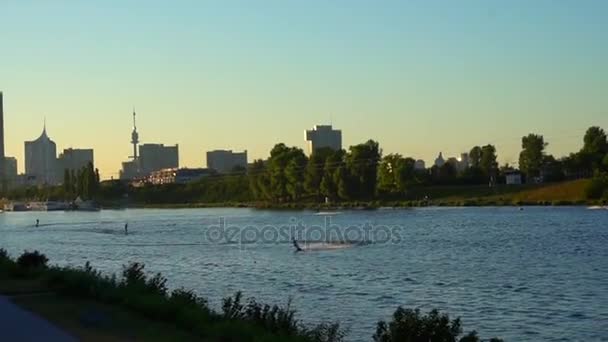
{"points": [[420, 78]]}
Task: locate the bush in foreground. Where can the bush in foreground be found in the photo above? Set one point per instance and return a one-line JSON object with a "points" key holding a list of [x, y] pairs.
{"points": [[411, 326], [32, 260], [238, 320]]}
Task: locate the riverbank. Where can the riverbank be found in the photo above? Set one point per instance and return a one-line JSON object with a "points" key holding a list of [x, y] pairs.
{"points": [[93, 307], [568, 193], [90, 306]]}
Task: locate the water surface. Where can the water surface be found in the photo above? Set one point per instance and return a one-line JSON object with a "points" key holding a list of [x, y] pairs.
{"points": [[536, 274]]}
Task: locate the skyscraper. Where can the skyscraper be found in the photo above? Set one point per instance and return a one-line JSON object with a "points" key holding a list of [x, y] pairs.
{"points": [[41, 159], [74, 159], [323, 136], [2, 168], [224, 161], [154, 157]]}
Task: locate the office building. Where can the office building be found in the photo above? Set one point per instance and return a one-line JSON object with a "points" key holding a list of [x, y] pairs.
{"points": [[10, 170], [2, 167], [323, 136], [41, 159], [154, 157], [74, 159], [225, 161]]}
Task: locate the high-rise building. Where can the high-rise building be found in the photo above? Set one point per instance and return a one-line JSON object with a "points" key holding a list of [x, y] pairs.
{"points": [[2, 167], [41, 159], [10, 170], [154, 157], [323, 136], [74, 159], [130, 170], [224, 161]]}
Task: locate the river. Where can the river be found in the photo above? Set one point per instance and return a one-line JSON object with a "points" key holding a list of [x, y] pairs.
{"points": [[535, 274]]}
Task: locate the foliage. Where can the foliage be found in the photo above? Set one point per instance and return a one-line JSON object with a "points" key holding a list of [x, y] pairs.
{"points": [[396, 174], [362, 164], [597, 187], [315, 171], [411, 325], [84, 182], [238, 320], [32, 260], [531, 156]]}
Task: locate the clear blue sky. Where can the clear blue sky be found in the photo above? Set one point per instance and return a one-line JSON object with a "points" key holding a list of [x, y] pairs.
{"points": [[418, 76]]}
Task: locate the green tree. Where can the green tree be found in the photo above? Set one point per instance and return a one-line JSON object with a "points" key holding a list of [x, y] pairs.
{"points": [[67, 182], [329, 184], [387, 171], [594, 149], [362, 165], [341, 180], [294, 173], [488, 163], [475, 156], [315, 171], [74, 182], [595, 141], [532, 154], [396, 174], [258, 180]]}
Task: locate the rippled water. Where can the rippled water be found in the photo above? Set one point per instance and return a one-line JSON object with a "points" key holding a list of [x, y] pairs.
{"points": [[535, 274]]}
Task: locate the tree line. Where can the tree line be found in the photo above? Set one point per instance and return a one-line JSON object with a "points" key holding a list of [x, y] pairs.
{"points": [[362, 173]]}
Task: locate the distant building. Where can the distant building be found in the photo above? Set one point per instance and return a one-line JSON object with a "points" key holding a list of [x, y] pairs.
{"points": [[419, 165], [41, 159], [323, 136], [74, 159], [2, 160], [154, 157], [439, 161], [224, 161], [10, 170], [178, 176], [130, 170], [513, 177]]}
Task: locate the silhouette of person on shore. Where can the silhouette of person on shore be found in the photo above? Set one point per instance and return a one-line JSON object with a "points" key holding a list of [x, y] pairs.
{"points": [[37, 223], [296, 245], [127, 228]]}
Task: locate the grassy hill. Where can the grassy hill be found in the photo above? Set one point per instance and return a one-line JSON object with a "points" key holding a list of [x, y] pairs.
{"points": [[569, 192]]}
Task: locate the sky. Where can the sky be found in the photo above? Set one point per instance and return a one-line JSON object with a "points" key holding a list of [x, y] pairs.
{"points": [[419, 76]]}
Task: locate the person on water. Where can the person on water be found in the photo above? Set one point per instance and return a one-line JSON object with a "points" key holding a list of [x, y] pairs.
{"points": [[295, 244], [127, 228], [37, 223]]}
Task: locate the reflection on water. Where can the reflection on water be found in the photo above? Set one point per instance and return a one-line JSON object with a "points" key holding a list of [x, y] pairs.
{"points": [[536, 274]]}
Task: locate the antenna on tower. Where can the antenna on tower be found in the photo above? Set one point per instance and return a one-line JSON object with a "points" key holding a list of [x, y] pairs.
{"points": [[134, 117]]}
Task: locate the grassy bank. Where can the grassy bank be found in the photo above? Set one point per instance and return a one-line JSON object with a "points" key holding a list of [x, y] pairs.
{"points": [[94, 307], [563, 193]]}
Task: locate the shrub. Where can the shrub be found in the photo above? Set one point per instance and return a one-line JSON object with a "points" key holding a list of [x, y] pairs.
{"points": [[32, 260], [596, 187], [410, 325], [4, 255]]}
